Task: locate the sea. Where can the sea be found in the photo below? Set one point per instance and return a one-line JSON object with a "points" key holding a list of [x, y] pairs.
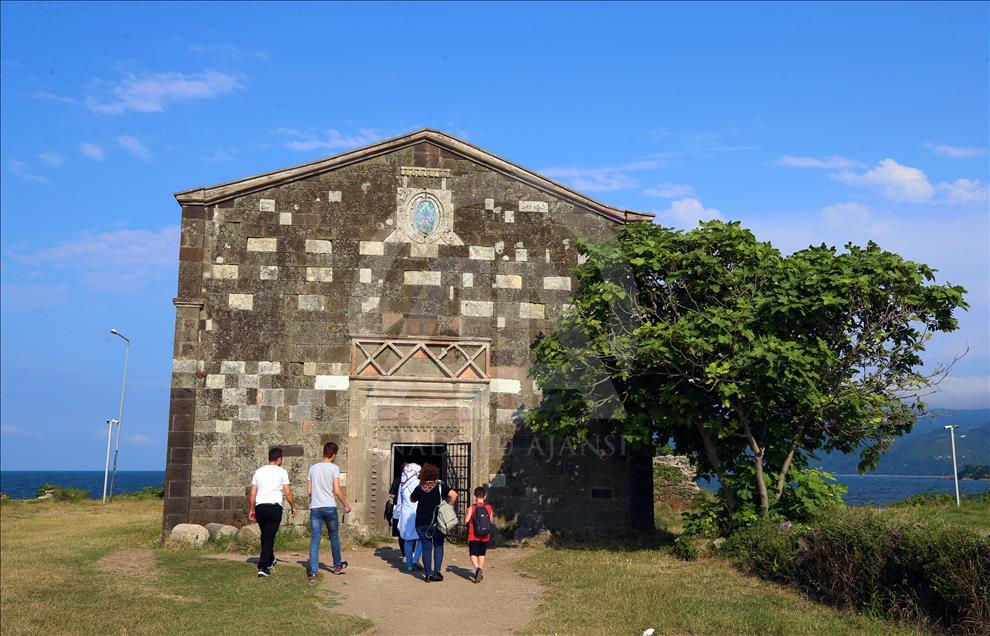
{"points": [[863, 489], [23, 484]]}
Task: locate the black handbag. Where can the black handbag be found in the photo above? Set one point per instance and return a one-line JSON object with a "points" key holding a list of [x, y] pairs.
{"points": [[389, 509]]}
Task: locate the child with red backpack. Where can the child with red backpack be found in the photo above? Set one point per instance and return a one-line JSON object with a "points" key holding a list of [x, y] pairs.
{"points": [[479, 523]]}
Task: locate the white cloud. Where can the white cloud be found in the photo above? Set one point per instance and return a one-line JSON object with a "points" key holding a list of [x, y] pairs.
{"points": [[853, 216], [24, 171], [962, 392], [962, 191], [52, 97], [152, 93], [331, 139], [51, 158], [119, 261], [140, 439], [895, 181], [956, 152], [92, 151], [911, 185], [833, 162], [689, 212], [134, 146], [669, 190], [602, 179]]}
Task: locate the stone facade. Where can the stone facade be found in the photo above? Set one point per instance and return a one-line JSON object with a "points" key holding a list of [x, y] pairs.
{"points": [[390, 295]]}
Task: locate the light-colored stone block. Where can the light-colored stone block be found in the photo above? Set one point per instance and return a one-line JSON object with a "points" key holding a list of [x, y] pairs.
{"points": [[510, 216], [272, 397], [319, 246], [266, 205], [559, 283], [244, 302], [489, 204], [370, 304], [531, 311], [331, 383], [508, 281], [216, 381], [534, 206], [183, 366], [310, 368], [225, 272], [371, 248], [248, 381], [481, 253], [522, 255], [423, 250], [477, 308], [467, 280], [234, 397], [415, 277], [500, 321], [262, 244], [250, 413], [333, 196], [269, 368], [232, 367], [364, 275], [285, 218], [311, 302], [223, 426], [268, 272], [319, 274], [499, 385]]}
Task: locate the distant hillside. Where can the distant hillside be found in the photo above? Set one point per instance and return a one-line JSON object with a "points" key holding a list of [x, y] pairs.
{"points": [[927, 449]]}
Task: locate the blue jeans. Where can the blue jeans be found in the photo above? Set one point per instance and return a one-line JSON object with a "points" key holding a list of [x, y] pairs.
{"points": [[412, 550], [432, 549], [317, 517]]}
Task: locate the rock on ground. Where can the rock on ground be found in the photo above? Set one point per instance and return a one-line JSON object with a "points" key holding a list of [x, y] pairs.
{"points": [[221, 530], [191, 533], [250, 533]]}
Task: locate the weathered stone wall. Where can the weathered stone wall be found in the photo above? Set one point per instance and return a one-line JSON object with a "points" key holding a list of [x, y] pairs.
{"points": [[275, 285]]}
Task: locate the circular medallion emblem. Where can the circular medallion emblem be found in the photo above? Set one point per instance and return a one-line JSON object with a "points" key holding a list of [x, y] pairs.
{"points": [[425, 216]]}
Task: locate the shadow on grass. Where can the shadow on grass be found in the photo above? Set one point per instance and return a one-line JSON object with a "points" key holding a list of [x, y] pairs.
{"points": [[615, 542]]}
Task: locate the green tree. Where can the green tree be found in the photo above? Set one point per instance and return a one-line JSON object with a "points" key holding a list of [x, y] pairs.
{"points": [[749, 360]]}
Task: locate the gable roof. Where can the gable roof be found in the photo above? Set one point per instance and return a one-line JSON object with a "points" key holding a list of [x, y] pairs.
{"points": [[221, 192]]}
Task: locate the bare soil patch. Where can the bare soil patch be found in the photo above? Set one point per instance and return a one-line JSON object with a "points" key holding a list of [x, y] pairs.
{"points": [[135, 562], [376, 586]]}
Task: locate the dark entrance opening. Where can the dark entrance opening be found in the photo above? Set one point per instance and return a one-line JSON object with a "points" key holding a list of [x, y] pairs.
{"points": [[454, 461]]}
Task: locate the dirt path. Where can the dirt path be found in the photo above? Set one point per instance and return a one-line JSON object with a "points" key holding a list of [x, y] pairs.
{"points": [[375, 586]]}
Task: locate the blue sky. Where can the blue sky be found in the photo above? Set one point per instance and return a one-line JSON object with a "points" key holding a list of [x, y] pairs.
{"points": [[807, 122]]}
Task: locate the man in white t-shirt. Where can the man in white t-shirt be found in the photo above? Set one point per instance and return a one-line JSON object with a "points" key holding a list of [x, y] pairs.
{"points": [[268, 485], [323, 486]]}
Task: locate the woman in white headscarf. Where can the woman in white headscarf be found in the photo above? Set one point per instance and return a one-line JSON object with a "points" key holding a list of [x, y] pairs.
{"points": [[407, 515]]}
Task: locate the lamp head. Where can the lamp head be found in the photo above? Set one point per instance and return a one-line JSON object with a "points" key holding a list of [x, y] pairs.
{"points": [[948, 426], [113, 331]]}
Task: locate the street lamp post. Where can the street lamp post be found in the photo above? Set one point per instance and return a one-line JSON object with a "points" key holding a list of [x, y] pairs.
{"points": [[955, 471], [120, 417], [106, 467]]}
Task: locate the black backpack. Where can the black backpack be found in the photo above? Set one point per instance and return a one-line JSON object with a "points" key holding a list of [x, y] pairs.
{"points": [[481, 521]]}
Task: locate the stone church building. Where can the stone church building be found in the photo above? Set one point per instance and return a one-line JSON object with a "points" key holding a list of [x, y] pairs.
{"points": [[386, 299]]}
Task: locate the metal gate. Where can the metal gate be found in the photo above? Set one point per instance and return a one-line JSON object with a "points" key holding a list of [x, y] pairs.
{"points": [[457, 471]]}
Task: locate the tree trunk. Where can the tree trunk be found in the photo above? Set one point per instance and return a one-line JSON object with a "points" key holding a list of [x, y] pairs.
{"points": [[782, 479], [761, 485], [712, 455]]}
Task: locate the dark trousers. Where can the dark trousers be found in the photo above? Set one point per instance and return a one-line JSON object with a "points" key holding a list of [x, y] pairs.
{"points": [[269, 517], [395, 532]]}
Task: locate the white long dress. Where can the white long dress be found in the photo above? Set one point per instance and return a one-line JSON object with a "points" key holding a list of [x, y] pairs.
{"points": [[407, 507]]}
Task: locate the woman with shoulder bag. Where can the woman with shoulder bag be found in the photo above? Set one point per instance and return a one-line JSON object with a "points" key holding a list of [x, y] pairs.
{"points": [[428, 495]]}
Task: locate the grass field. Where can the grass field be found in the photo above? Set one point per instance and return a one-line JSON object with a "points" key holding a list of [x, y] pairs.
{"points": [[85, 568]]}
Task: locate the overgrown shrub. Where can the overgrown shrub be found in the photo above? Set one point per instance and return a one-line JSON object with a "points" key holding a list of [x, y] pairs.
{"points": [[684, 548], [858, 558], [62, 493]]}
